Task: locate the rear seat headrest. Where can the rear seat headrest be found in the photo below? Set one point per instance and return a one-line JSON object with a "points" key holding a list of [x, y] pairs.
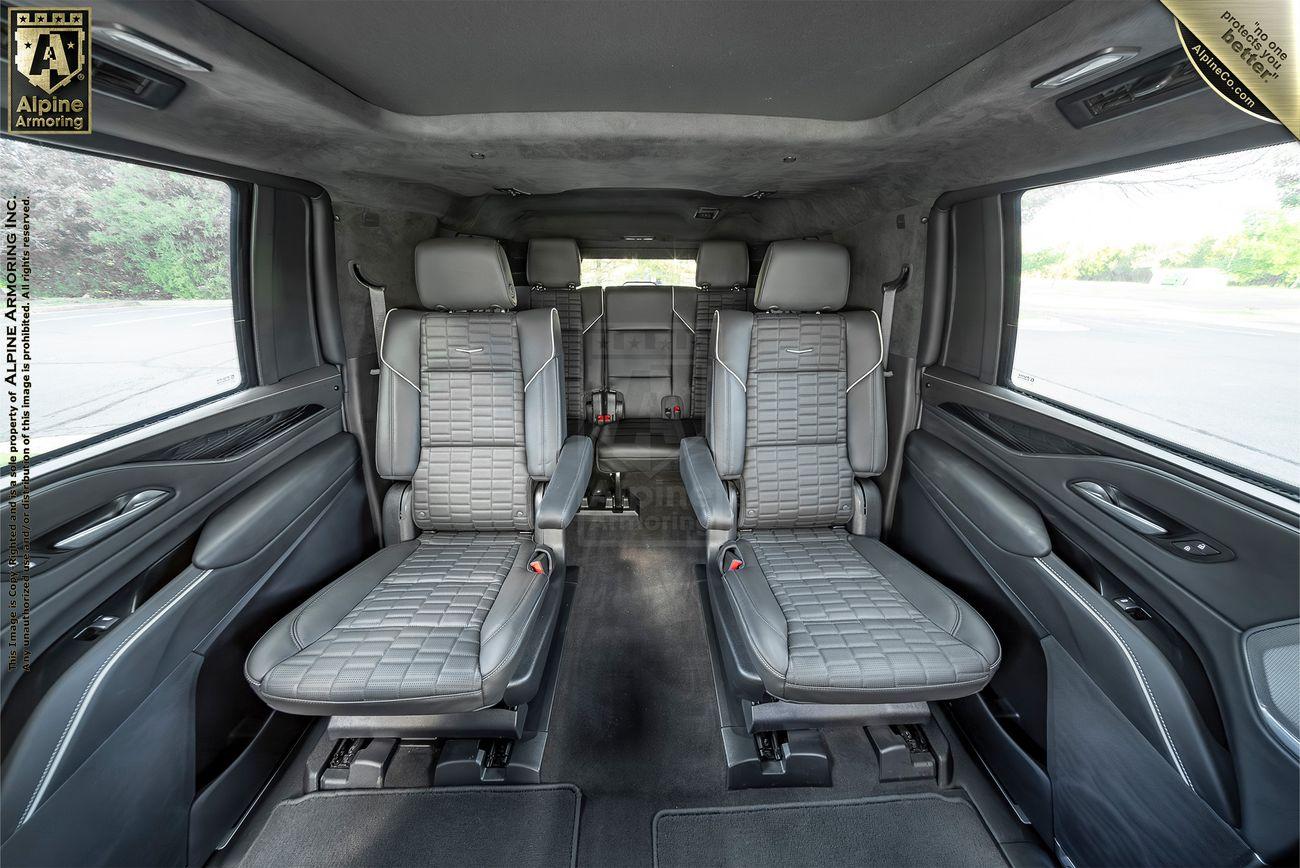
{"points": [[463, 274], [803, 276], [722, 265], [554, 263]]}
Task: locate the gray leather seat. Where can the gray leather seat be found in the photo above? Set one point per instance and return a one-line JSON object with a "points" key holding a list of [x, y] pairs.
{"points": [[795, 432], [648, 344], [471, 424], [722, 275], [658, 346], [554, 275]]}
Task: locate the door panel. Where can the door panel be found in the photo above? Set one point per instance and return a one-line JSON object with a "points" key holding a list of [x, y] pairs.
{"points": [[1186, 617], [68, 586]]}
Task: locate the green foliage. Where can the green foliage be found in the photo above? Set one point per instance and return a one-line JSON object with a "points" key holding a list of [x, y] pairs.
{"points": [[1132, 264], [1265, 252], [163, 235], [107, 229], [1041, 262]]}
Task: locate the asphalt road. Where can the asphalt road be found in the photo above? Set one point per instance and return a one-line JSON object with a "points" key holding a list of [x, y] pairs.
{"points": [[1214, 370], [99, 367]]}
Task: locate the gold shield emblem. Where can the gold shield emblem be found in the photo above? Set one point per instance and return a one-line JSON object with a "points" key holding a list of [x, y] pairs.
{"points": [[50, 48]]}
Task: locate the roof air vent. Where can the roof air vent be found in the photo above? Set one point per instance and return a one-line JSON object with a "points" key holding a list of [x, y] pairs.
{"points": [[1160, 79], [704, 212], [114, 74]]}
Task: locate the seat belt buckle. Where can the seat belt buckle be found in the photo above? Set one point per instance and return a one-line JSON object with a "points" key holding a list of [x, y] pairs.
{"points": [[671, 407], [540, 562], [604, 407], [729, 559]]}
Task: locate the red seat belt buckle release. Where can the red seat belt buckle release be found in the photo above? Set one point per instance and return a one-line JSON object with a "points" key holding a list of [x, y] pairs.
{"points": [[736, 563], [536, 566]]}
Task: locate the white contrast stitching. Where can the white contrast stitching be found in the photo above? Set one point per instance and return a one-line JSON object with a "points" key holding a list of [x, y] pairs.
{"points": [[383, 361], [879, 361], [89, 692], [1137, 667]]}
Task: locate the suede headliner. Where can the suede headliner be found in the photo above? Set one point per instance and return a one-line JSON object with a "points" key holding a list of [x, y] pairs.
{"points": [[825, 59]]}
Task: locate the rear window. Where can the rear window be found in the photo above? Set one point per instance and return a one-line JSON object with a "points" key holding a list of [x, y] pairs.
{"points": [[1167, 301], [132, 313], [618, 272]]}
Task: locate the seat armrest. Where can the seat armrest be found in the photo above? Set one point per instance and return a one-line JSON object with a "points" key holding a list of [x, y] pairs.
{"points": [[568, 484], [704, 486]]}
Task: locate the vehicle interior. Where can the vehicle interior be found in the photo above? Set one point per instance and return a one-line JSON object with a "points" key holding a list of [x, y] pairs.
{"points": [[655, 433]]}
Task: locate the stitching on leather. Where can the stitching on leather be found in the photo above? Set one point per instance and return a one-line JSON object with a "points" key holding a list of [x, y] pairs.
{"points": [[519, 602], [918, 688], [43, 781], [511, 653], [758, 612], [1132, 658]]}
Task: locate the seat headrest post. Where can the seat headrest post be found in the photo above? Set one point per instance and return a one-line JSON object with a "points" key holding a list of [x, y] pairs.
{"points": [[455, 274], [803, 276]]}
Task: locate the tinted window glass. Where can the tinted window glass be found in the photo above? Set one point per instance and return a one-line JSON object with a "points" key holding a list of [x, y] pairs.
{"points": [[616, 272], [1167, 300], [131, 311]]}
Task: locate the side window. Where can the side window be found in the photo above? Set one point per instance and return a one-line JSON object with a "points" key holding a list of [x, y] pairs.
{"points": [[1167, 301], [132, 314]]}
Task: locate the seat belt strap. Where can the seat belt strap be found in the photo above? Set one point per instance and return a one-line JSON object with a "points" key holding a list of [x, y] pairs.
{"points": [[378, 306], [378, 312], [888, 292]]}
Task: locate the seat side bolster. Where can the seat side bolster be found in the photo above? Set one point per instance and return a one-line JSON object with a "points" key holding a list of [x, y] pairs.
{"points": [[507, 623], [726, 414], [541, 357], [761, 619], [704, 486], [865, 401], [397, 434], [322, 612], [563, 496], [943, 607]]}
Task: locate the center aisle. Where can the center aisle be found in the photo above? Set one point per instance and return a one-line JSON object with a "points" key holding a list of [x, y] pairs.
{"points": [[635, 725]]}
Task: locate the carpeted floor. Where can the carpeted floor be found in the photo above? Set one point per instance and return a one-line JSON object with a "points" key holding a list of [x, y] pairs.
{"points": [[452, 826], [920, 830], [635, 723]]}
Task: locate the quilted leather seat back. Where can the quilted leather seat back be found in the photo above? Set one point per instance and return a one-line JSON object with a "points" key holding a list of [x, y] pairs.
{"points": [[568, 303], [706, 302], [796, 470], [473, 470]]}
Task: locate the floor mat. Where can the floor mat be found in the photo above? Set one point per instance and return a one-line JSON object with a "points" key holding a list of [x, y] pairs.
{"points": [[490, 825], [905, 830]]}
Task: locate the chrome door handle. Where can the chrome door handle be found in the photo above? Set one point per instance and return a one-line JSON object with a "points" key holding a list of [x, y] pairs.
{"points": [[1109, 501], [126, 509]]}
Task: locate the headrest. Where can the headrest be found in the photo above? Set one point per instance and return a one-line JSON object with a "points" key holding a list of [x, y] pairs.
{"points": [[463, 274], [722, 265], [554, 263], [803, 276]]}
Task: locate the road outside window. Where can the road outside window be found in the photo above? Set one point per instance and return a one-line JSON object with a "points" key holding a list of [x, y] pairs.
{"points": [[617, 272], [132, 316], [1167, 300]]}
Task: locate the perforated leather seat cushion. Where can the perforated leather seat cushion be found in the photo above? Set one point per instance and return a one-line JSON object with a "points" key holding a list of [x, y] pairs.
{"points": [[834, 618], [429, 625]]}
